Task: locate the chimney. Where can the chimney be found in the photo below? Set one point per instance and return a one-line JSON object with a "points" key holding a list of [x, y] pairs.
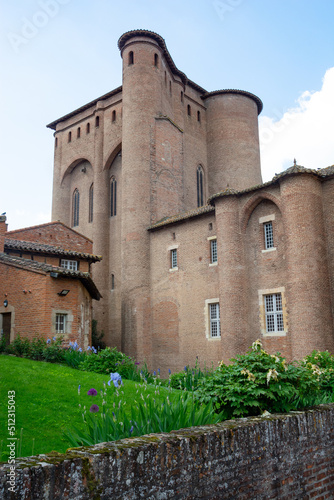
{"points": [[3, 231]]}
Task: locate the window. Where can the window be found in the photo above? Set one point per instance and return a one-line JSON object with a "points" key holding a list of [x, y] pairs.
{"points": [[274, 312], [214, 320], [69, 136], [131, 58], [90, 207], [113, 282], [75, 208], [214, 256], [189, 110], [268, 235], [156, 60], [113, 197], [181, 96], [173, 258], [113, 116], [87, 128], [61, 323], [56, 141], [72, 265], [97, 121], [78, 132], [198, 116], [170, 88], [200, 183]]}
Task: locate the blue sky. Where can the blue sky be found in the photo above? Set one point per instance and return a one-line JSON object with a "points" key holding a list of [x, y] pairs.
{"points": [[56, 55]]}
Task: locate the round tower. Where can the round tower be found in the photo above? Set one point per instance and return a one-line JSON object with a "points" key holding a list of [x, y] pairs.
{"points": [[141, 52], [233, 139]]}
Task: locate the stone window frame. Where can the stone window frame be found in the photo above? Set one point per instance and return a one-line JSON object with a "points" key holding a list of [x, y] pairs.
{"points": [[213, 251], [68, 321], [262, 312], [171, 250], [264, 221], [207, 319]]}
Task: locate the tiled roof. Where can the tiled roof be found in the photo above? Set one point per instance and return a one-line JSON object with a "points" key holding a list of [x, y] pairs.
{"points": [[30, 246], [294, 170], [183, 216], [41, 267], [48, 224], [236, 91]]}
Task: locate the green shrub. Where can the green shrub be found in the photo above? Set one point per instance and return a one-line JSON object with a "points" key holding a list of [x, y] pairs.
{"points": [[21, 347], [97, 336], [321, 364], [108, 361], [53, 350], [258, 381]]}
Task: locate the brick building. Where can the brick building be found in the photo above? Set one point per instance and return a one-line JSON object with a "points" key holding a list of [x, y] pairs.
{"points": [[46, 290], [200, 258]]}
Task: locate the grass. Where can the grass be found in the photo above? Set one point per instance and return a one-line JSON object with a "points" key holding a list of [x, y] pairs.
{"points": [[46, 401]]}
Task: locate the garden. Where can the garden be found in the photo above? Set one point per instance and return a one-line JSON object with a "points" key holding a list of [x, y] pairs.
{"points": [[65, 397]]}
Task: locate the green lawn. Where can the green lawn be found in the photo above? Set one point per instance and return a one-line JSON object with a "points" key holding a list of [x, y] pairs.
{"points": [[47, 401]]}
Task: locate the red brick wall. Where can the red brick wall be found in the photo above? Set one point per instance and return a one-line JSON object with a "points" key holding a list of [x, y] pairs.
{"points": [[3, 231], [54, 233]]}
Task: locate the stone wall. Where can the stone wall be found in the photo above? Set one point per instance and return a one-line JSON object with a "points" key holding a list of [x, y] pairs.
{"points": [[282, 457]]}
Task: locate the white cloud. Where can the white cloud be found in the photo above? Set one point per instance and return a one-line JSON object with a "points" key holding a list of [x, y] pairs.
{"points": [[304, 132]]}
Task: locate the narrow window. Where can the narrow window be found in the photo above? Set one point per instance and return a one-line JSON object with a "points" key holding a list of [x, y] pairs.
{"points": [[97, 121], [198, 116], [56, 141], [274, 312], [268, 235], [165, 79], [113, 282], [78, 132], [200, 190], [131, 59], [113, 116], [210, 226], [69, 136], [173, 258], [88, 128], [189, 110], [170, 88], [214, 255], [214, 320], [156, 60], [181, 96], [72, 265], [113, 197], [91, 199], [60, 323], [75, 208]]}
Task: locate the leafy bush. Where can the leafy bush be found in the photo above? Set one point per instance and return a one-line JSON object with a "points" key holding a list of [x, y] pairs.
{"points": [[147, 416], [21, 347], [258, 381], [321, 364], [108, 360]]}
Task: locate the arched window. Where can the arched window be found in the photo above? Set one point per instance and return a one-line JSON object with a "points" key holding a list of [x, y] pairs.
{"points": [[88, 128], [69, 136], [91, 199], [97, 121], [189, 110], [113, 196], [78, 132], [200, 186], [75, 208], [113, 116], [156, 60], [131, 59]]}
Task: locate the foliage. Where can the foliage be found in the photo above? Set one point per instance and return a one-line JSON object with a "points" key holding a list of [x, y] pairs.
{"points": [[148, 415], [190, 378], [97, 336], [321, 364], [109, 360], [258, 381]]}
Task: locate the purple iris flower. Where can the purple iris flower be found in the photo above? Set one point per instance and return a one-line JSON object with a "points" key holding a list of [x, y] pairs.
{"points": [[92, 392], [48, 341], [94, 409]]}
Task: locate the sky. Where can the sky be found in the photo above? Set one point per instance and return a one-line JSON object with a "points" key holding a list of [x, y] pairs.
{"points": [[57, 55]]}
